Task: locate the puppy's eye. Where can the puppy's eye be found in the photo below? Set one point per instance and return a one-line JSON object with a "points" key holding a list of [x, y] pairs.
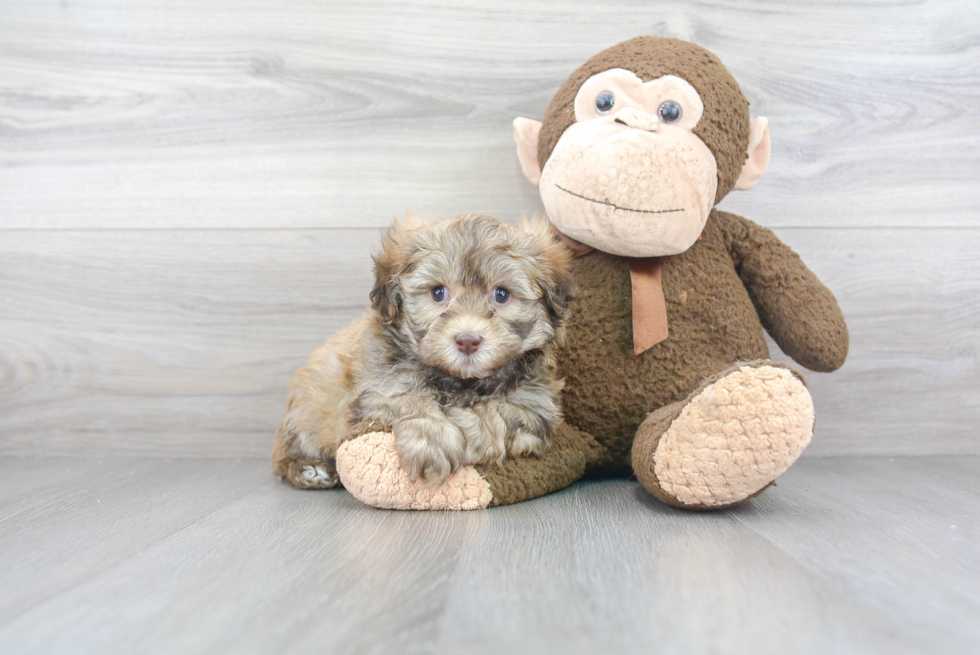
{"points": [[669, 112], [439, 294], [604, 102], [501, 295]]}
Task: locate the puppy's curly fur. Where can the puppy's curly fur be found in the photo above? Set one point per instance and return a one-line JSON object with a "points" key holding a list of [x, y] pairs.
{"points": [[456, 357]]}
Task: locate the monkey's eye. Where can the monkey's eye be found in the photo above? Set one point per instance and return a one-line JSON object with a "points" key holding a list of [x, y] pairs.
{"points": [[501, 295], [439, 294], [604, 102], [669, 111]]}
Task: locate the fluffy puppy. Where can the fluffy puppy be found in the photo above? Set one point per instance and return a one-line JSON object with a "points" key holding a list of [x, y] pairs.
{"points": [[456, 357]]}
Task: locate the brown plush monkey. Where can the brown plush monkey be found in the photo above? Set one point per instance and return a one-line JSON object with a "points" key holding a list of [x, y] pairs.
{"points": [[666, 365]]}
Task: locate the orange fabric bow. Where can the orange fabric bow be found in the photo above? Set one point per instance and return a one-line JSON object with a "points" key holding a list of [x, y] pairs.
{"points": [[649, 306]]}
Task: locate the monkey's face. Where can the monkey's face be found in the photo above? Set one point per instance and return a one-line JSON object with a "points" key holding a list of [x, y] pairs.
{"points": [[629, 177]]}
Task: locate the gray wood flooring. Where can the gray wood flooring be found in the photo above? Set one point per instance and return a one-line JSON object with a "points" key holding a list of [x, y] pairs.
{"points": [[138, 555]]}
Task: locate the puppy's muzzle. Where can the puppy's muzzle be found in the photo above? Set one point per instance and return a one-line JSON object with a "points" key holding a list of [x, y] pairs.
{"points": [[468, 342]]}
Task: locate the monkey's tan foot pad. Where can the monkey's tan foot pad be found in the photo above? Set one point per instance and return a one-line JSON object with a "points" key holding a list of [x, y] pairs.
{"points": [[370, 469], [729, 441]]}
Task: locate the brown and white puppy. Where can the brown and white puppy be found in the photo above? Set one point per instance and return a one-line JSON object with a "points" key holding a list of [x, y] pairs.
{"points": [[456, 357]]}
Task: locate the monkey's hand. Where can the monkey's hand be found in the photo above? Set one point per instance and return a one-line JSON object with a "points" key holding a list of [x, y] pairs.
{"points": [[799, 312], [372, 472], [370, 468]]}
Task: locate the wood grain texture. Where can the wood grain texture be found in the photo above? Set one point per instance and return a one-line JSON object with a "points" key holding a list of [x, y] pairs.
{"points": [[189, 192], [184, 342], [846, 555], [340, 114], [80, 517], [176, 342], [910, 384]]}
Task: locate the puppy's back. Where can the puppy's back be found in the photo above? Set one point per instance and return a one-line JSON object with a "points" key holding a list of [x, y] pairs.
{"points": [[316, 410]]}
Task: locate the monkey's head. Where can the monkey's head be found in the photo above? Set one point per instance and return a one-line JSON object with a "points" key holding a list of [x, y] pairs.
{"points": [[639, 144]]}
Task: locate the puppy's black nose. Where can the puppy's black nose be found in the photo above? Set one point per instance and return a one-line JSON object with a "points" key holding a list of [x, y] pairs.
{"points": [[468, 343]]}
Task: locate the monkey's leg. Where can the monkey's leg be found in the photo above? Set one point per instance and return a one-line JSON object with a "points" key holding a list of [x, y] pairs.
{"points": [[370, 470], [728, 441]]}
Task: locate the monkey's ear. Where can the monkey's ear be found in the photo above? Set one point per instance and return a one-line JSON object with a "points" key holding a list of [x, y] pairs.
{"points": [[526, 135], [759, 150]]}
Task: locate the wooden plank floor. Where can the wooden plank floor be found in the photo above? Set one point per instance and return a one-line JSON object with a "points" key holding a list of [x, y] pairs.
{"points": [[125, 555]]}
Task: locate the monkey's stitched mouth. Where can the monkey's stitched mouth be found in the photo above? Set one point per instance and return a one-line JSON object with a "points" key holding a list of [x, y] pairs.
{"points": [[614, 206]]}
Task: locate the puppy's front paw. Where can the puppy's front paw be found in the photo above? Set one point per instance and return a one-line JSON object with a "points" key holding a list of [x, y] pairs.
{"points": [[429, 449], [526, 443]]}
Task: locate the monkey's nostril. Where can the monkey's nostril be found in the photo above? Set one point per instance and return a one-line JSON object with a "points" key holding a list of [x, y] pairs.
{"points": [[468, 343], [644, 122]]}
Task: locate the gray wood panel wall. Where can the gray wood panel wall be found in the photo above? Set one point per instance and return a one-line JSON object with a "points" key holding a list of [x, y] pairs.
{"points": [[189, 193]]}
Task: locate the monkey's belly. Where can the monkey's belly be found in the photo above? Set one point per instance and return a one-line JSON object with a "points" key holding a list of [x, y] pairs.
{"points": [[712, 324]]}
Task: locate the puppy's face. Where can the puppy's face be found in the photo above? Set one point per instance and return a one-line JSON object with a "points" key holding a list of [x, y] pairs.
{"points": [[470, 294]]}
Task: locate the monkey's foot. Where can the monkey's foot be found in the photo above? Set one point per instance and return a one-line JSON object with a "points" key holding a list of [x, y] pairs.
{"points": [[728, 441], [370, 469]]}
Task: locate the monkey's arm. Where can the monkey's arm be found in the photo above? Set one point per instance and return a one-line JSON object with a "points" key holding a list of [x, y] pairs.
{"points": [[522, 478], [799, 312], [370, 469]]}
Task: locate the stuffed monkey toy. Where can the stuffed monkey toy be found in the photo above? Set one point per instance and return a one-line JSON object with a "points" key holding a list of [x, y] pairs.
{"points": [[667, 371]]}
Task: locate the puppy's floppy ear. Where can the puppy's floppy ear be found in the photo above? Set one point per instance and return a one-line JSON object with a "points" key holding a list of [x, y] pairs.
{"points": [[555, 260], [386, 298], [559, 288]]}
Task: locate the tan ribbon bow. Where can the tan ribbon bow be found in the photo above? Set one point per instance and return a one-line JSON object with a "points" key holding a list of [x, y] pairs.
{"points": [[649, 306]]}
